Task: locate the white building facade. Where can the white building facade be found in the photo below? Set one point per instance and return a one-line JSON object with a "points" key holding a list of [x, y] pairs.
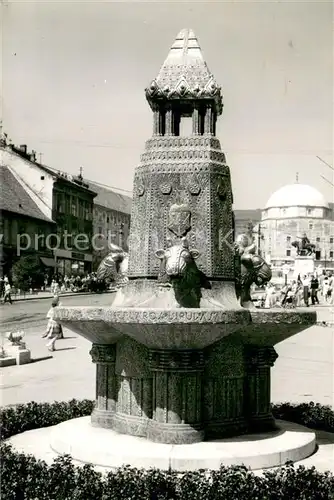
{"points": [[290, 212]]}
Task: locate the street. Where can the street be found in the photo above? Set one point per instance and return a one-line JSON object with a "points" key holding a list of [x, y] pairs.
{"points": [[29, 313], [303, 371]]}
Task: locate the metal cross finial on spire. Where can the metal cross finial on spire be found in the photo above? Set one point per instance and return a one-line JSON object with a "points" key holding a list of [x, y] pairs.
{"points": [[297, 177], [80, 174]]}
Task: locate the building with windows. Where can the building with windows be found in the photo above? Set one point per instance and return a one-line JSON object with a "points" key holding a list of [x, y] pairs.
{"points": [[64, 199], [111, 220], [290, 212], [23, 226]]}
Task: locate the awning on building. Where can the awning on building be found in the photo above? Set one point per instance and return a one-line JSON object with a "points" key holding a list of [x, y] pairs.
{"points": [[48, 261]]}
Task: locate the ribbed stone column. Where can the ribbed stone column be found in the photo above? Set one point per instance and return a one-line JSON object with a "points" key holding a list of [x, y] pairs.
{"points": [[156, 120], [213, 122], [106, 385], [259, 360], [134, 389], [176, 396], [196, 120], [161, 119], [169, 126], [208, 120]]}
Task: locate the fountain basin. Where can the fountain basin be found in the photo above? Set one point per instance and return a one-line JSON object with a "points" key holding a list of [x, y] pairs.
{"points": [[183, 328], [155, 328], [181, 376]]}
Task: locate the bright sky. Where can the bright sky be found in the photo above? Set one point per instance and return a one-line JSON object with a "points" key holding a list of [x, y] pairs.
{"points": [[74, 74]]}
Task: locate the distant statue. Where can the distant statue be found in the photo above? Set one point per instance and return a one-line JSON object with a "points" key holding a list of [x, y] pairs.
{"points": [[303, 246], [250, 268], [114, 267]]}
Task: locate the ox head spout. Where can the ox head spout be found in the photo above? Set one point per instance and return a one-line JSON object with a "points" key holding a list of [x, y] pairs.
{"points": [[177, 257], [262, 270]]}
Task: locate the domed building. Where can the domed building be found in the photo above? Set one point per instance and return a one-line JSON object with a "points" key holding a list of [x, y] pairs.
{"points": [[290, 212]]}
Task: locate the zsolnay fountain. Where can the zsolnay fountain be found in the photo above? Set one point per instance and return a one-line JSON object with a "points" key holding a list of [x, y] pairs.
{"points": [[182, 361]]}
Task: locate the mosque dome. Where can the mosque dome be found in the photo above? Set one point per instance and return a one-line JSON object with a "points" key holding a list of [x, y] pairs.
{"points": [[297, 195]]}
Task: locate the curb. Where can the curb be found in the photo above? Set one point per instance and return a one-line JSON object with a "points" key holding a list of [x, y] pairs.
{"points": [[74, 294]]}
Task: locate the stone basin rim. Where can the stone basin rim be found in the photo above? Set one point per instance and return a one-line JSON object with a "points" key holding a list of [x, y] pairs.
{"points": [[151, 315], [183, 315]]}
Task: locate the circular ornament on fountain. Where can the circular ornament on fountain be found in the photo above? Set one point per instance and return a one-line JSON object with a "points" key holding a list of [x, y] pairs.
{"points": [[166, 188]]}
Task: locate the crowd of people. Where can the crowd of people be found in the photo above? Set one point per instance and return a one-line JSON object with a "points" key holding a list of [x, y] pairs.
{"points": [[88, 283], [305, 290]]}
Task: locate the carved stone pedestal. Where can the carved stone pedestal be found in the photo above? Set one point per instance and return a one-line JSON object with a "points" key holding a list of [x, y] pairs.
{"points": [[303, 265], [259, 360], [177, 396], [183, 396]]}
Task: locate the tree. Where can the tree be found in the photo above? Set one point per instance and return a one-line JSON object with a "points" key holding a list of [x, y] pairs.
{"points": [[28, 272]]}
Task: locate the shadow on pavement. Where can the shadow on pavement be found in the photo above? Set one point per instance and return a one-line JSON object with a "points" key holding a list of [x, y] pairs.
{"points": [[43, 358], [64, 348]]}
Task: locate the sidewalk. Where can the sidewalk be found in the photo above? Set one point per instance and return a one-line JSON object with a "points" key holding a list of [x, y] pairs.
{"points": [[49, 295]]}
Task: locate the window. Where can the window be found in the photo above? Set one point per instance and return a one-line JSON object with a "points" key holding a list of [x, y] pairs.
{"points": [[317, 240], [87, 211], [74, 207], [331, 240], [288, 253], [100, 230], [67, 203], [310, 225], [331, 253], [81, 209], [309, 211], [107, 220], [288, 239], [60, 202]]}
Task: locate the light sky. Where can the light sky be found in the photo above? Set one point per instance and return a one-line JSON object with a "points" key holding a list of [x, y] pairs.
{"points": [[74, 74]]}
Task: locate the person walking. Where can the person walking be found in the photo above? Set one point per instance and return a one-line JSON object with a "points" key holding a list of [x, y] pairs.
{"points": [[7, 295], [314, 290], [306, 285], [330, 289], [53, 329]]}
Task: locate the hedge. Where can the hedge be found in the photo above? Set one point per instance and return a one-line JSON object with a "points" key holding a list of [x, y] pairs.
{"points": [[23, 477]]}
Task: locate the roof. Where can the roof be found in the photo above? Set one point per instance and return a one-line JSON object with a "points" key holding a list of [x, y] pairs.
{"points": [[248, 215], [14, 198], [110, 199], [57, 174], [296, 195], [185, 74]]}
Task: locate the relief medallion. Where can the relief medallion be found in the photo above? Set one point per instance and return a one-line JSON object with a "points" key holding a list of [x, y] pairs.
{"points": [[179, 219]]}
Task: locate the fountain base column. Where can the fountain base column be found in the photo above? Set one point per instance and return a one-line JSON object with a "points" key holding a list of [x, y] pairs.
{"points": [[259, 360], [105, 358], [177, 396]]}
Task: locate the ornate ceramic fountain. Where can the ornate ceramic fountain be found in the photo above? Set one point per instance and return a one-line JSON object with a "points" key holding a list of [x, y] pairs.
{"points": [[178, 358]]}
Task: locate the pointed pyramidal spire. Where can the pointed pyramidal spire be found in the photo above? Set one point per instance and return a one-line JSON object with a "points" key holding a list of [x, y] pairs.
{"points": [[185, 74]]}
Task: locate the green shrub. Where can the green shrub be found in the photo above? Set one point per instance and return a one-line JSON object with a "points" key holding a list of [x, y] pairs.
{"points": [[29, 416], [28, 272], [23, 477], [312, 415]]}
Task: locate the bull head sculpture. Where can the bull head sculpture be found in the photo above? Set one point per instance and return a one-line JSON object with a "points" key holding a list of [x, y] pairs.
{"points": [[177, 257], [179, 270]]}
